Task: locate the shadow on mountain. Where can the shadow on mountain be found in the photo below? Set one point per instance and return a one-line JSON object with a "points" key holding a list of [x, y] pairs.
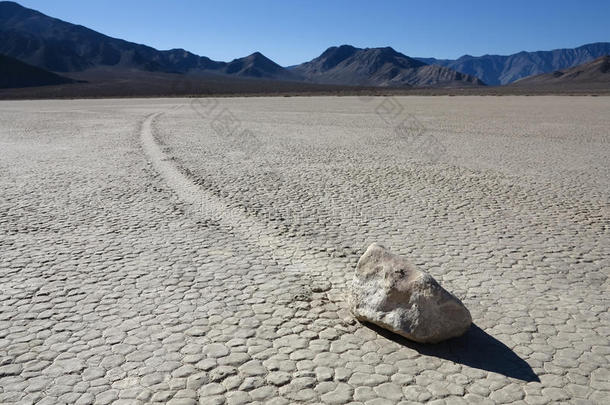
{"points": [[14, 73], [475, 349]]}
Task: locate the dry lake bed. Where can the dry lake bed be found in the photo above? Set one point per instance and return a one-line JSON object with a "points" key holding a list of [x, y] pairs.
{"points": [[190, 251]]}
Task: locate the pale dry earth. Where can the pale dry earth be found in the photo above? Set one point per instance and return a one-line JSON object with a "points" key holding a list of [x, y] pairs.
{"points": [[154, 252]]}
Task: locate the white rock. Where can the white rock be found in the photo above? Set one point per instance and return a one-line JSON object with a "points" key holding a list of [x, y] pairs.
{"points": [[392, 293]]}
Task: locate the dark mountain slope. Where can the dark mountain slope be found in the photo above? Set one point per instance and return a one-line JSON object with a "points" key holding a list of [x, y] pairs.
{"points": [[259, 66], [56, 45], [590, 74], [377, 67], [499, 69], [14, 73]]}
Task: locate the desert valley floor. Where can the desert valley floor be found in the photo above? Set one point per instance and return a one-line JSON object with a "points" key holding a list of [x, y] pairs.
{"points": [[190, 251]]}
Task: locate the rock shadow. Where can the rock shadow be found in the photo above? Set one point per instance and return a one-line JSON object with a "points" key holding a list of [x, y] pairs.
{"points": [[475, 348]]}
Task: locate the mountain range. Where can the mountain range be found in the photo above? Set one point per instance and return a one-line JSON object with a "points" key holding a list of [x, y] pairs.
{"points": [[78, 52], [591, 73], [377, 67], [505, 69], [59, 46]]}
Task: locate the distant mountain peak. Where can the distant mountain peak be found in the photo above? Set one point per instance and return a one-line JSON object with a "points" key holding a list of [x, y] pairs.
{"points": [[257, 65], [11, 9], [335, 55], [343, 47], [381, 66], [6, 5], [257, 55]]}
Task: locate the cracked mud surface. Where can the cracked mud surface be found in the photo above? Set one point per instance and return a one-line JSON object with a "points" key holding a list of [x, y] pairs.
{"points": [[150, 256]]}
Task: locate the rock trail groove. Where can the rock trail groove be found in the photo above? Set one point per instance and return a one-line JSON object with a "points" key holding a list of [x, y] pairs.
{"points": [[286, 253]]}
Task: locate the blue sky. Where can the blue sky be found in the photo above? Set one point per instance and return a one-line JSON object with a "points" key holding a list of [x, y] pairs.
{"points": [[294, 31]]}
